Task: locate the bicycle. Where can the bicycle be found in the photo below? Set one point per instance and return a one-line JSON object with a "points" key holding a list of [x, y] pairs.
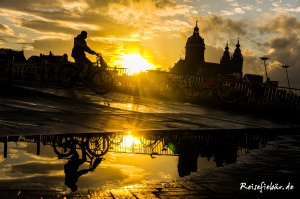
{"points": [[96, 145], [174, 89], [65, 146], [100, 80], [257, 98], [223, 90]]}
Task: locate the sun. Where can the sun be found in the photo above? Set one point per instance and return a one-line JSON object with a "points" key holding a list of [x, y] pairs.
{"points": [[135, 62]]}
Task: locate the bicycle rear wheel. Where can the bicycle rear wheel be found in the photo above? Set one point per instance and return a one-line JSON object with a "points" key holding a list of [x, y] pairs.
{"points": [[62, 145], [205, 93], [101, 82], [66, 76]]}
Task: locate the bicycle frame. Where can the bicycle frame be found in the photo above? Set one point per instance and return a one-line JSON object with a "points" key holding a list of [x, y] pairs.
{"points": [[222, 90], [99, 79]]}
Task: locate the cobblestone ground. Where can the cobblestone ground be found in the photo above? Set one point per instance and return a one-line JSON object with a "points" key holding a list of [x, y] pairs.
{"points": [[273, 168]]}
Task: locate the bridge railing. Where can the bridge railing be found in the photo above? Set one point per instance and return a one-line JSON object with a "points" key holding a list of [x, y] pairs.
{"points": [[156, 82]]}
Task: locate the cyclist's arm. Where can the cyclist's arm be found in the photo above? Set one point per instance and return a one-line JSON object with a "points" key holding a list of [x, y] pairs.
{"points": [[84, 46]]}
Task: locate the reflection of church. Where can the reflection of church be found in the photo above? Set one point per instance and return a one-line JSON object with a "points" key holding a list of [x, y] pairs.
{"points": [[194, 63]]}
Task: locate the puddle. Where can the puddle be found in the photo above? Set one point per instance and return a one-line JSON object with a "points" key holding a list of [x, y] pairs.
{"points": [[38, 161]]}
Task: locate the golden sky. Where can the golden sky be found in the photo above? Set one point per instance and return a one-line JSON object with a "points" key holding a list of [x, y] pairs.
{"points": [[156, 30]]}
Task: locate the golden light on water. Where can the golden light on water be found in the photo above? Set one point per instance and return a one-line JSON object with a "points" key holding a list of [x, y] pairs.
{"points": [[129, 140], [135, 62]]}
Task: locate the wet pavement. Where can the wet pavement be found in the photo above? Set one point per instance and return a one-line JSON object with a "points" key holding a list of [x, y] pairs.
{"points": [[275, 168], [49, 109], [259, 173]]}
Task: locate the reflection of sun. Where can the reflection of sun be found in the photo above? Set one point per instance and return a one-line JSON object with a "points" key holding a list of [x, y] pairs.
{"points": [[135, 62], [129, 140]]}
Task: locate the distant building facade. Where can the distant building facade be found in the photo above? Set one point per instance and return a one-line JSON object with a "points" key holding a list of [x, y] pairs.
{"points": [[194, 62], [9, 54], [51, 58]]}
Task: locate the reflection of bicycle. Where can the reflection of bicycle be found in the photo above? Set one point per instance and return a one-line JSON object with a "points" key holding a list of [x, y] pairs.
{"points": [[65, 146], [224, 91], [99, 79], [96, 145], [149, 140]]}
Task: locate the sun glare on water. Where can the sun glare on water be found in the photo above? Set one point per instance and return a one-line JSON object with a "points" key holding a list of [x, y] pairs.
{"points": [[135, 62]]}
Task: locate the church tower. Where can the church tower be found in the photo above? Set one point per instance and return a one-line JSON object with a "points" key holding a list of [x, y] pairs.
{"points": [[195, 48], [225, 60], [237, 61]]}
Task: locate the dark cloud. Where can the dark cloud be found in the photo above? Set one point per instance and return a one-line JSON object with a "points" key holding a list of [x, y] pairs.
{"points": [[280, 43], [216, 23], [2, 27], [164, 3], [33, 166], [5, 30], [57, 46], [45, 26], [284, 24]]}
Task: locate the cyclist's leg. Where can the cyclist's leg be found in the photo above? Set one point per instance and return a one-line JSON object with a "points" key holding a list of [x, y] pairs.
{"points": [[89, 64], [81, 65]]}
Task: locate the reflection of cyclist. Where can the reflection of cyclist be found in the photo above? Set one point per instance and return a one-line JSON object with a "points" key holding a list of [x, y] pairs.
{"points": [[78, 53], [71, 169]]}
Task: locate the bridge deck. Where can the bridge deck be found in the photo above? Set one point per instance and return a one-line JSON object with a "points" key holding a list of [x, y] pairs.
{"points": [[32, 109]]}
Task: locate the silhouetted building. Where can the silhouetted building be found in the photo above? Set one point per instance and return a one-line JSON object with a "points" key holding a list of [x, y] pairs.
{"points": [[8, 54], [194, 62], [48, 58]]}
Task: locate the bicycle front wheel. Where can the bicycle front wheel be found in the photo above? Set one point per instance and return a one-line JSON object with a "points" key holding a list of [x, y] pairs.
{"points": [[101, 82], [66, 76], [98, 145], [174, 90]]}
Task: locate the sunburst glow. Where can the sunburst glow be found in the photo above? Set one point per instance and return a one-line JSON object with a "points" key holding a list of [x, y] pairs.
{"points": [[135, 62], [129, 140]]}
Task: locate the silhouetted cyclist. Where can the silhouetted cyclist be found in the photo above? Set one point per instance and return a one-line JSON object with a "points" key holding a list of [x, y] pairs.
{"points": [[78, 53], [71, 168]]}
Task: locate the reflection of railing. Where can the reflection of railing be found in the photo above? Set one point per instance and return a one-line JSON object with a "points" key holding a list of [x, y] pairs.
{"points": [[204, 144], [150, 144]]}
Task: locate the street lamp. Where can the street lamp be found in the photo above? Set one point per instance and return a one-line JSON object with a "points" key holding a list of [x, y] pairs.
{"points": [[287, 76], [264, 59]]}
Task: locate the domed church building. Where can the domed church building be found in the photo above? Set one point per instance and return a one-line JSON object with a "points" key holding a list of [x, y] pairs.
{"points": [[194, 62]]}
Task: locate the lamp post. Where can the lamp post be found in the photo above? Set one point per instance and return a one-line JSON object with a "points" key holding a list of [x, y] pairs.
{"points": [[287, 76], [264, 59]]}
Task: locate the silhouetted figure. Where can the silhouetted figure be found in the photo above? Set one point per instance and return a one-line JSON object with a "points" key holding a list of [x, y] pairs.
{"points": [[187, 163], [78, 53], [188, 157], [71, 168], [225, 151]]}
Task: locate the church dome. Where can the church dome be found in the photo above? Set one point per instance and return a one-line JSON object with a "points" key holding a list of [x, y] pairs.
{"points": [[195, 39]]}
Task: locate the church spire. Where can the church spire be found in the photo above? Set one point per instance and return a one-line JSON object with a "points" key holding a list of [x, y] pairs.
{"points": [[226, 55], [237, 52], [196, 29]]}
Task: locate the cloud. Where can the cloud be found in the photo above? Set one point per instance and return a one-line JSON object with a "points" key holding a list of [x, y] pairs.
{"points": [[6, 30], [285, 40], [216, 29]]}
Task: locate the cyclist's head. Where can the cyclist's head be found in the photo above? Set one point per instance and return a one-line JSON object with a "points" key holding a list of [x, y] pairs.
{"points": [[73, 188], [84, 34]]}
